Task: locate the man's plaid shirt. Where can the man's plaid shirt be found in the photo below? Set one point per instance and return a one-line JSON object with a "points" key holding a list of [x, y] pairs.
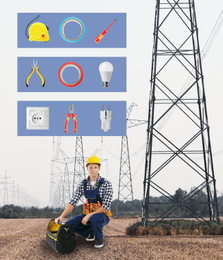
{"points": [[105, 191]]}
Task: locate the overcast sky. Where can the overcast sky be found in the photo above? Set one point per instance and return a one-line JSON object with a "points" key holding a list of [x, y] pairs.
{"points": [[28, 159]]}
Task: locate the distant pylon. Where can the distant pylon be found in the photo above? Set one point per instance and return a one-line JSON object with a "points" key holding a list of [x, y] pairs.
{"points": [[6, 198], [125, 190], [60, 182], [79, 166], [66, 184], [178, 147]]}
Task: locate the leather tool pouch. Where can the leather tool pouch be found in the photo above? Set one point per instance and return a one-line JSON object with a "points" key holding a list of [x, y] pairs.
{"points": [[90, 207]]}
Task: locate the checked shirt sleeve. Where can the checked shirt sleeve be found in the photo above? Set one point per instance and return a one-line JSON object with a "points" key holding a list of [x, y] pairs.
{"points": [[107, 195], [79, 192]]}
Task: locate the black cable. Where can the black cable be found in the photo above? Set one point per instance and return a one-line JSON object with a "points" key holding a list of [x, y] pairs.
{"points": [[29, 24]]}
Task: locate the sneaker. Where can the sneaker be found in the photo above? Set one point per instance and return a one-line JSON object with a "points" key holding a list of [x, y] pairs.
{"points": [[99, 243], [90, 236]]}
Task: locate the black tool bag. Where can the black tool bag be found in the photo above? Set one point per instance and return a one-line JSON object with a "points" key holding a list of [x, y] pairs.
{"points": [[61, 237]]}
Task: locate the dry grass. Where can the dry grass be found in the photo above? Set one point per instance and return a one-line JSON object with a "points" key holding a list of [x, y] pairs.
{"points": [[175, 227]]}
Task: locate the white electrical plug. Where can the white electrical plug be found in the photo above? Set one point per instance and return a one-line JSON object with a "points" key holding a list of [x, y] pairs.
{"points": [[105, 116]]}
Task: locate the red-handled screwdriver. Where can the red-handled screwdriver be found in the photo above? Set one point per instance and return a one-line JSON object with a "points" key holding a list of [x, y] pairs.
{"points": [[98, 39]]}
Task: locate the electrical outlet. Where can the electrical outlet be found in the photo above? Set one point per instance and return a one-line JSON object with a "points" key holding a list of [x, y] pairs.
{"points": [[37, 118]]}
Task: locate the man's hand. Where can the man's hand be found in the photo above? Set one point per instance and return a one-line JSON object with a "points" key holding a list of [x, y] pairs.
{"points": [[86, 219], [57, 220], [67, 210], [88, 216]]}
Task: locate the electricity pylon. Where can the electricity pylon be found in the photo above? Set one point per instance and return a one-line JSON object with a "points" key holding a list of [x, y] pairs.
{"points": [[60, 182], [65, 180], [6, 190], [125, 189], [79, 166], [178, 135]]}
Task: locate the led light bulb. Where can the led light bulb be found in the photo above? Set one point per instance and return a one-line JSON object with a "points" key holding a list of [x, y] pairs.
{"points": [[106, 69]]}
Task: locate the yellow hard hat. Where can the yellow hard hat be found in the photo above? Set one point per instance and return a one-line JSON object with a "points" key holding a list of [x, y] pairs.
{"points": [[93, 159]]}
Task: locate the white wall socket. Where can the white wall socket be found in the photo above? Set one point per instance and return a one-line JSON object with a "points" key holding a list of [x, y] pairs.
{"points": [[37, 118]]}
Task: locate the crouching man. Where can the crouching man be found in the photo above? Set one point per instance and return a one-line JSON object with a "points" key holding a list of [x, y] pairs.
{"points": [[96, 213]]}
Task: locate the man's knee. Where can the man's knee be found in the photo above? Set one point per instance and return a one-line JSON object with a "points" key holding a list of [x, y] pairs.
{"points": [[96, 219], [75, 221]]}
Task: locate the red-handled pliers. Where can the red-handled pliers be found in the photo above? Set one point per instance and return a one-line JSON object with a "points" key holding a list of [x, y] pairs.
{"points": [[71, 112]]}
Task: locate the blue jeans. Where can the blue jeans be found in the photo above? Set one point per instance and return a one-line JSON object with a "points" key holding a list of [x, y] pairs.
{"points": [[96, 223]]}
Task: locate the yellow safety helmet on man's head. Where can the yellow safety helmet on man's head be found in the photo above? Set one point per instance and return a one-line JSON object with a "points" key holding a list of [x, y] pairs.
{"points": [[93, 159]]}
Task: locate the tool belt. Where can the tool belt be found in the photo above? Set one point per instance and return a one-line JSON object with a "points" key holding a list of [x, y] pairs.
{"points": [[90, 207]]}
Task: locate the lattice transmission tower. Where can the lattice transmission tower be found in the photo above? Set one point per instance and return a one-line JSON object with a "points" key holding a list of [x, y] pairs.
{"points": [[178, 152], [79, 166], [125, 189], [61, 176], [6, 189]]}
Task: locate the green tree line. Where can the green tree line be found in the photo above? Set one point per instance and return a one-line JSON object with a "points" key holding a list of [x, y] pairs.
{"points": [[119, 208]]}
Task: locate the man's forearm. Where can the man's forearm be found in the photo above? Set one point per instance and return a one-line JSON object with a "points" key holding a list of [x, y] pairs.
{"points": [[67, 210]]}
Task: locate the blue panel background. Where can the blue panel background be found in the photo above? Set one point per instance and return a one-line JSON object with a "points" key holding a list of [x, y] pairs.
{"points": [[91, 82], [95, 24], [88, 118]]}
